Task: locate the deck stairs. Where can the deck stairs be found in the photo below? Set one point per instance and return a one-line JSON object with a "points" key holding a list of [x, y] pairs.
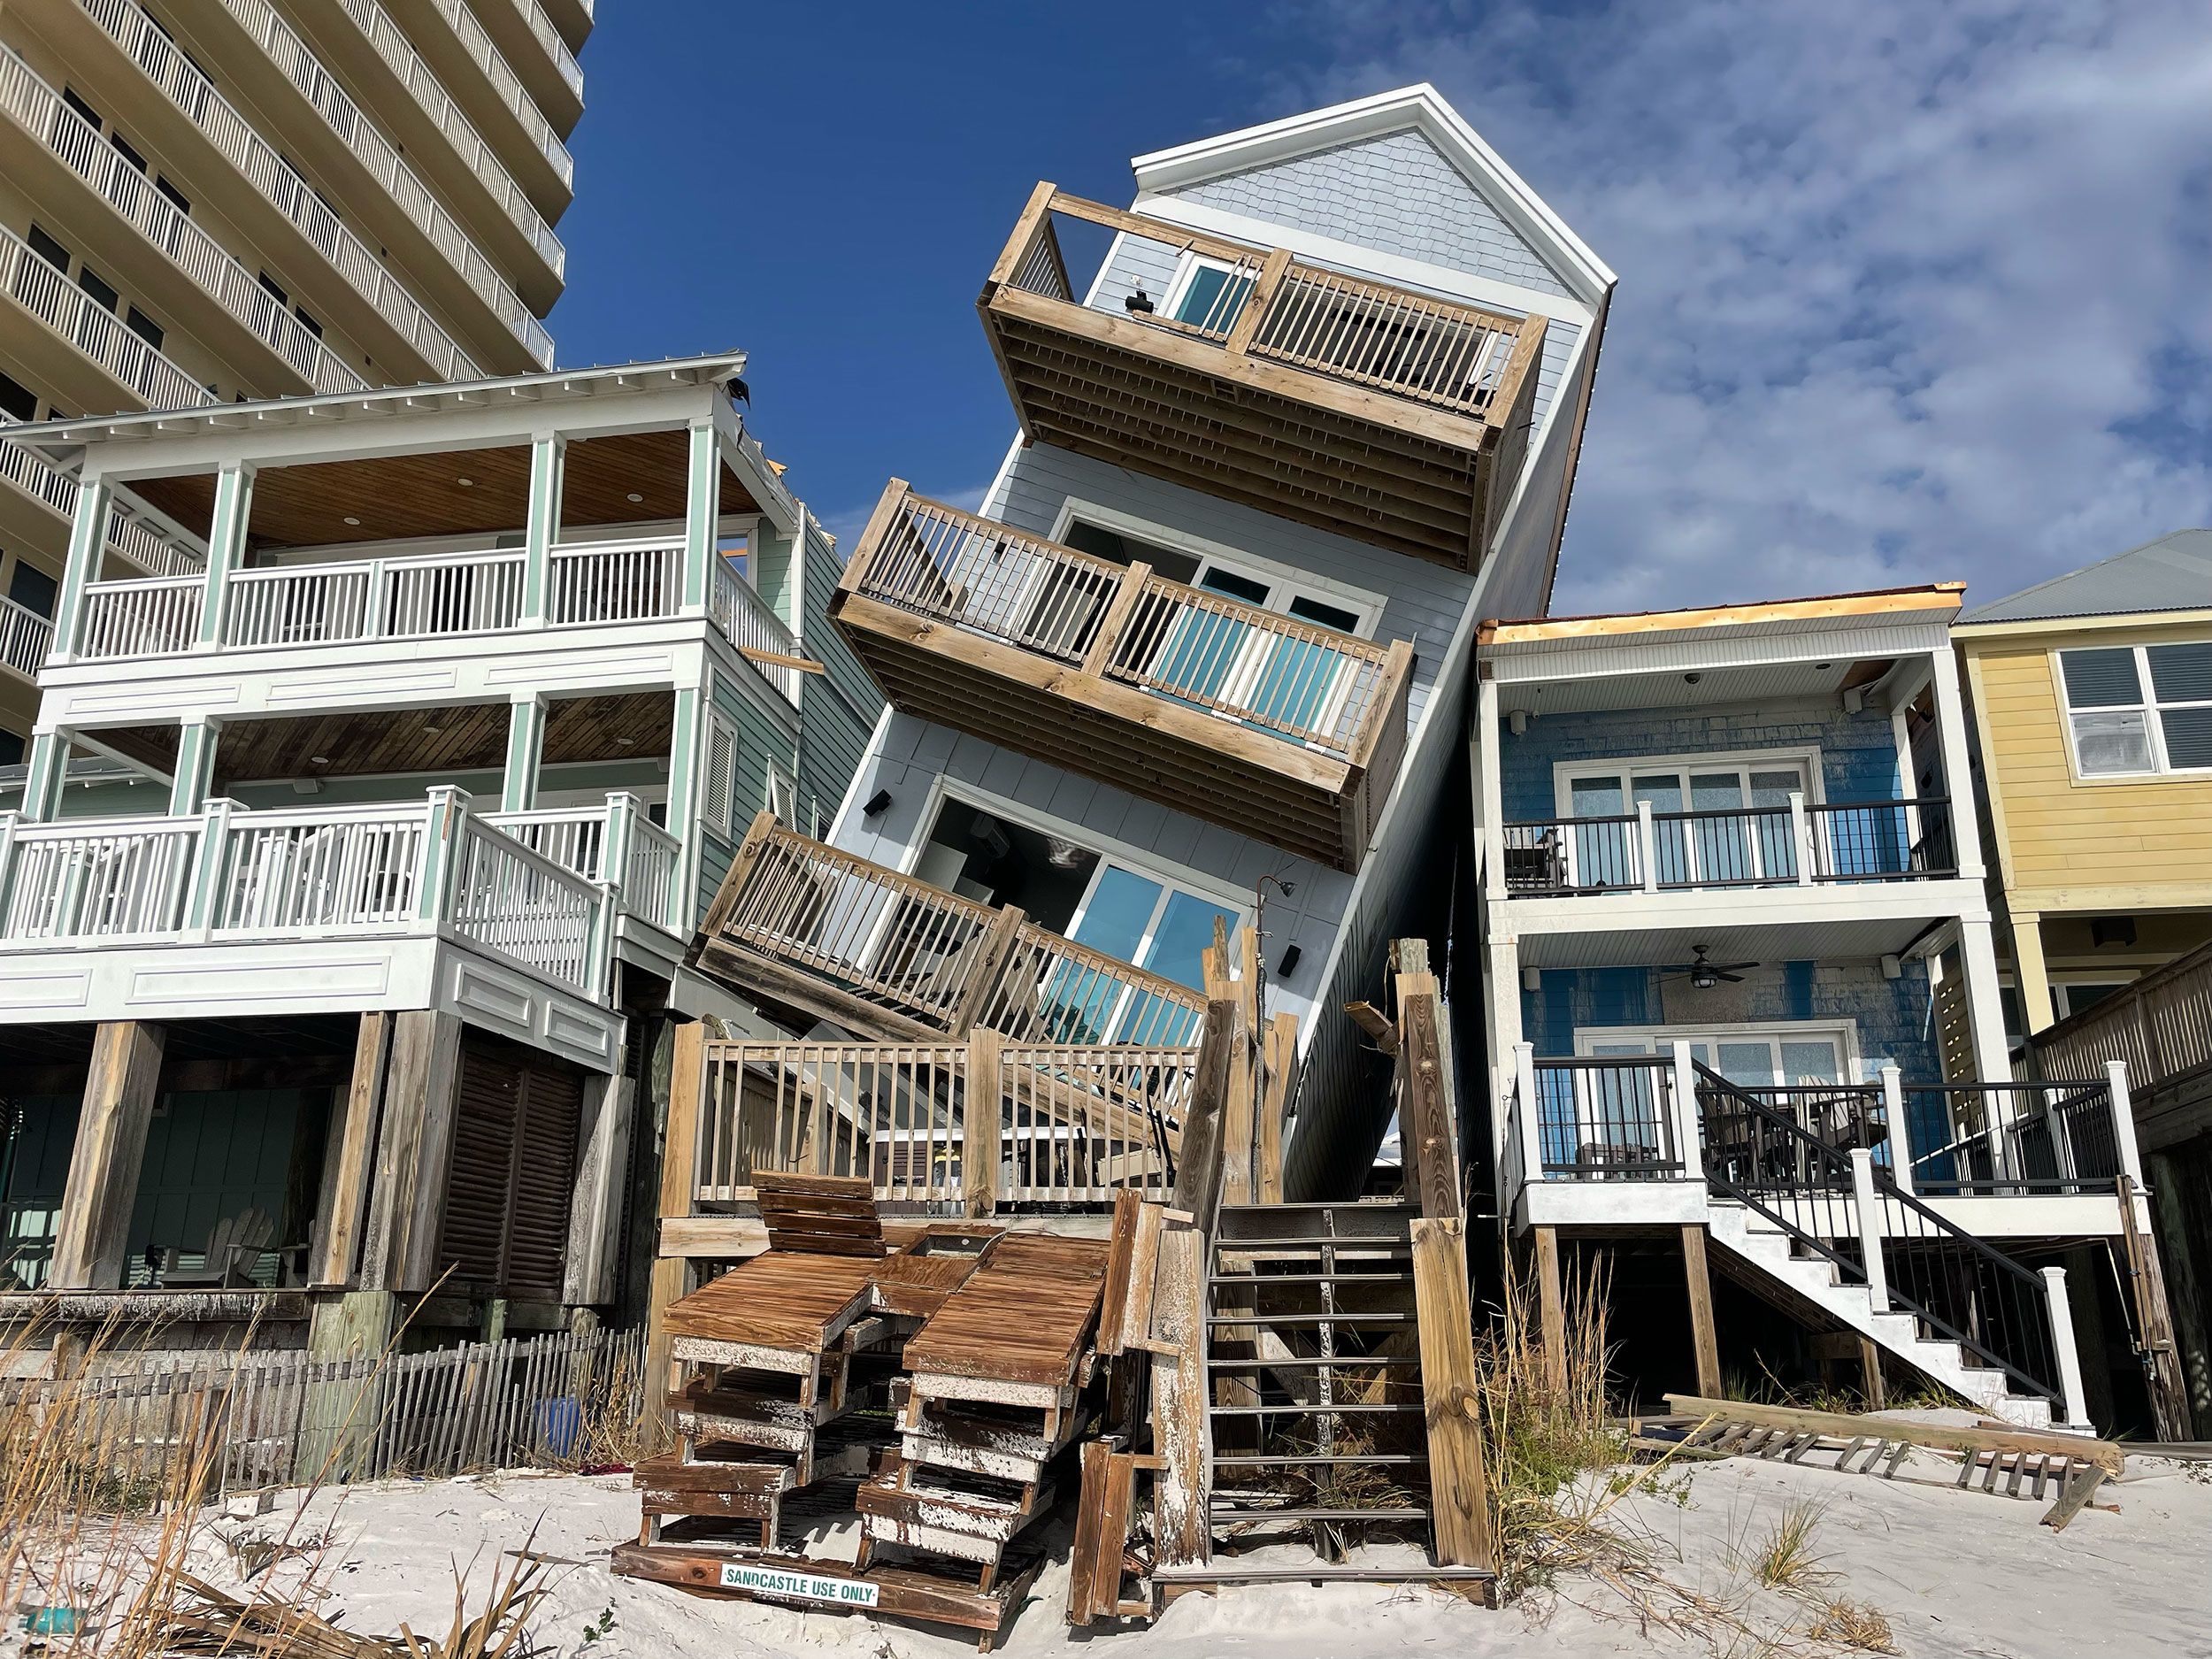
{"points": [[1808, 1276], [1314, 1417]]}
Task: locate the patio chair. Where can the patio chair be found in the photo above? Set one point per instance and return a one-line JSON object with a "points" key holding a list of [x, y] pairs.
{"points": [[234, 1245]]}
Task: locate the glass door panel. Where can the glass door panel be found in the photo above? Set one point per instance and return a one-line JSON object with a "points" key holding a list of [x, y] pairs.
{"points": [[1772, 832], [1720, 847], [1670, 841], [1598, 853]]}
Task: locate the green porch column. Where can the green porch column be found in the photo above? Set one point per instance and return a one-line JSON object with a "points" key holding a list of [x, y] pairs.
{"points": [[48, 762], [702, 514], [195, 772], [776, 568], [525, 750], [542, 524], [226, 546], [686, 785], [87, 540]]}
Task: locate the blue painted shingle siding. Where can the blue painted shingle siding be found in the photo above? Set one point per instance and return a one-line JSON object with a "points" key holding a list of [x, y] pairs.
{"points": [[1396, 194], [1858, 752], [1422, 601]]}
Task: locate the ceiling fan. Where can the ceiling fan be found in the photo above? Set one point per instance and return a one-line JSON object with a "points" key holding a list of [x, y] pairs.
{"points": [[1703, 974]]}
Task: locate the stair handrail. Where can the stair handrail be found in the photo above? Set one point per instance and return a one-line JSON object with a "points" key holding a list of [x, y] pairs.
{"points": [[1835, 1191]]}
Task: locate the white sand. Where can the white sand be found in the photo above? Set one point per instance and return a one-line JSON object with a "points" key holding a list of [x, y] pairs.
{"points": [[1956, 1573]]}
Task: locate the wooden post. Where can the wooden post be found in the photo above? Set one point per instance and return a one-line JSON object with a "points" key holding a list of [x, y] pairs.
{"points": [[1703, 1340], [734, 878], [1458, 1488], [602, 1166], [414, 1147], [93, 1230], [1181, 1529], [680, 1156], [2154, 1321], [1424, 1121], [979, 1156], [347, 1201], [1119, 608], [1198, 1167], [1239, 1125], [1872, 1388], [1551, 1305], [1282, 1066]]}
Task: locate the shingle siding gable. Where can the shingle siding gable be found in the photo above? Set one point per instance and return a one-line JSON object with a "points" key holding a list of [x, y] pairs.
{"points": [[1396, 194]]}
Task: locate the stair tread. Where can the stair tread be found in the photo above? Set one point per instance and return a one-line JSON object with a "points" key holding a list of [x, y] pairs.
{"points": [[1384, 1317], [1313, 1359], [1339, 1409], [1310, 1278], [1299, 1512], [1257, 1460]]}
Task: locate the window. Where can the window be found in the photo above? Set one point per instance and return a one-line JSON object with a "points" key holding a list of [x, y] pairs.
{"points": [[93, 283], [783, 795], [11, 748], [1718, 819], [1250, 581], [308, 323], [145, 327], [69, 96], [1210, 294], [124, 149], [1785, 1055], [269, 284], [47, 249], [32, 589], [18, 402], [177, 198], [2140, 709], [721, 773]]}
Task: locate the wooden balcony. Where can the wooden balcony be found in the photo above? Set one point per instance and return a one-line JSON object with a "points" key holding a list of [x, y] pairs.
{"points": [[1248, 718], [1380, 413], [2160, 1028], [820, 932]]}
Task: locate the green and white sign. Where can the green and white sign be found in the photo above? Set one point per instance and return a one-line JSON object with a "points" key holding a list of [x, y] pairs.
{"points": [[802, 1586]]}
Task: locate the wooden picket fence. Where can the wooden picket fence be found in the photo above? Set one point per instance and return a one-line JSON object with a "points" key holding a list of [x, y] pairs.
{"points": [[560, 1401]]}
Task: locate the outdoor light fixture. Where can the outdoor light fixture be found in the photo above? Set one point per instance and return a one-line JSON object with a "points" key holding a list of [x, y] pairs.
{"points": [[351, 519], [634, 496], [1517, 722], [1139, 304], [875, 803], [1893, 967], [1691, 677], [1288, 965], [465, 483], [1703, 976]]}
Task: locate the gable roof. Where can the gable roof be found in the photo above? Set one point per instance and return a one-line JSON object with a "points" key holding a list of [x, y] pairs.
{"points": [[1420, 108], [2171, 573]]}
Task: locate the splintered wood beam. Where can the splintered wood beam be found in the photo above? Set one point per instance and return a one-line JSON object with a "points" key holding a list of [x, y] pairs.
{"points": [[1182, 1527], [93, 1231], [1703, 1342], [1375, 1024]]}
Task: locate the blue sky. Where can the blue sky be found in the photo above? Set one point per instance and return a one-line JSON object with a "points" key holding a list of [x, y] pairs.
{"points": [[1906, 291]]}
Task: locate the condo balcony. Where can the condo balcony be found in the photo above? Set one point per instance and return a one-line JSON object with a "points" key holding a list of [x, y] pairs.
{"points": [[38, 502], [1390, 416], [1246, 717], [477, 73], [59, 156]]}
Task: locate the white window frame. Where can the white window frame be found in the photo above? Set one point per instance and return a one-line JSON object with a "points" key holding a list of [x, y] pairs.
{"points": [[1843, 1032], [1565, 773], [1362, 601], [2147, 705], [1187, 265]]}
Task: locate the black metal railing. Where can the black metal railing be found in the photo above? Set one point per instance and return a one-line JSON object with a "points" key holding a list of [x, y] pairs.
{"points": [[1609, 1118], [1738, 847], [1959, 1288], [2012, 1138]]}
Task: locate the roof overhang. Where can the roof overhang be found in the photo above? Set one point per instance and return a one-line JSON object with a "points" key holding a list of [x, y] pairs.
{"points": [[2129, 620], [1420, 108], [1896, 606]]}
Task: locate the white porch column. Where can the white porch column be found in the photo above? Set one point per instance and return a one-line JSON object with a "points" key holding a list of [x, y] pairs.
{"points": [[1984, 1007], [542, 523], [703, 513], [2028, 973], [226, 546], [1869, 1208], [49, 764], [1531, 1113], [88, 543], [1901, 1148], [1688, 1121], [525, 750], [195, 772], [2062, 1345], [1958, 774], [2123, 1123]]}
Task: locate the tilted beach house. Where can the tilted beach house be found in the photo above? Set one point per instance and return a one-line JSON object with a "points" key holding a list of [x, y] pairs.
{"points": [[1744, 1016], [345, 891], [1289, 425]]}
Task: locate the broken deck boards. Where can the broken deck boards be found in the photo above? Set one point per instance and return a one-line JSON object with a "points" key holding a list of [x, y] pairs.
{"points": [[1025, 1317]]}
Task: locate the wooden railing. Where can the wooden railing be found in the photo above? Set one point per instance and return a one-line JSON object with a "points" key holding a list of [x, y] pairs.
{"points": [[965, 1126], [1327, 690], [2160, 1025], [420, 867], [1270, 305], [933, 959]]}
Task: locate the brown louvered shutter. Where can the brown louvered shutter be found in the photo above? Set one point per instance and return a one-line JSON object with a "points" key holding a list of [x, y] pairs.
{"points": [[545, 1183], [487, 1109]]}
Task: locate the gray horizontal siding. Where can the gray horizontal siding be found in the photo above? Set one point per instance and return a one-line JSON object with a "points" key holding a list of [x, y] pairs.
{"points": [[914, 752], [838, 707], [1422, 602], [1396, 194]]}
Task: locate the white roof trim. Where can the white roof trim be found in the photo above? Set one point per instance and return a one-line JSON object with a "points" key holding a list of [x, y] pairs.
{"points": [[1488, 292], [1421, 108]]}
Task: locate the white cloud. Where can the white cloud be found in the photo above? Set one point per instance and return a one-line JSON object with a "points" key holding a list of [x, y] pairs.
{"points": [[1907, 291]]}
